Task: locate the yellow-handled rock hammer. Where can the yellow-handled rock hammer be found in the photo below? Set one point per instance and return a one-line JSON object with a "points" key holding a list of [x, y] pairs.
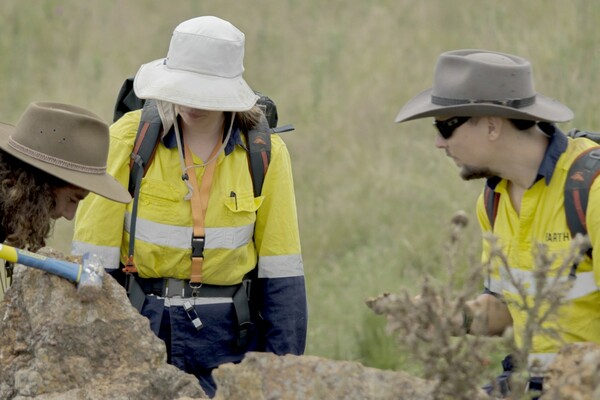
{"points": [[88, 275]]}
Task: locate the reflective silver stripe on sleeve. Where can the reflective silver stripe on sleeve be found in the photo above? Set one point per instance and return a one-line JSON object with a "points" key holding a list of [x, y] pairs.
{"points": [[180, 236], [493, 285], [109, 256], [280, 266], [539, 362], [583, 284]]}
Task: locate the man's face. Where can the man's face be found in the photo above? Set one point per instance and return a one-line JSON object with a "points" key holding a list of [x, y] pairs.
{"points": [[463, 141], [67, 199]]}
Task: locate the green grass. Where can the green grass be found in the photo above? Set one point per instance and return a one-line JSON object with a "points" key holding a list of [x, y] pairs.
{"points": [[374, 198]]}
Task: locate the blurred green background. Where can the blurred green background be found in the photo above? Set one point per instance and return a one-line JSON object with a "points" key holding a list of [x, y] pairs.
{"points": [[374, 198]]}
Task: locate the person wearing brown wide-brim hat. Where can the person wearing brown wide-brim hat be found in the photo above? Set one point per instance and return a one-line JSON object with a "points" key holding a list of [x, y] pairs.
{"points": [[494, 125], [51, 159]]}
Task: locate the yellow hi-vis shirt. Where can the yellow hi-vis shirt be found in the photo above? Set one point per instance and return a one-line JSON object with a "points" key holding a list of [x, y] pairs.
{"points": [[239, 228], [542, 220]]}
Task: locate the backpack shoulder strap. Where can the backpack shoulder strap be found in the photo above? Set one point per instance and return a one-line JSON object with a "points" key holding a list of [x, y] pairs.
{"points": [[259, 150], [581, 175], [145, 143], [259, 154], [490, 201], [144, 147], [259, 141]]}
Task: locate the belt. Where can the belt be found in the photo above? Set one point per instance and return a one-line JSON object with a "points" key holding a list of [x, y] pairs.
{"points": [[138, 288], [170, 287]]}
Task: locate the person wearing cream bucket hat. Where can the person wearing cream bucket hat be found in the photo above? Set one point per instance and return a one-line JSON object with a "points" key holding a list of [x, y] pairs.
{"points": [[202, 234], [49, 161], [494, 125]]}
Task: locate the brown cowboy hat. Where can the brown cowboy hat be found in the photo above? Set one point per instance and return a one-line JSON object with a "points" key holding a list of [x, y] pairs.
{"points": [[65, 141], [479, 83]]}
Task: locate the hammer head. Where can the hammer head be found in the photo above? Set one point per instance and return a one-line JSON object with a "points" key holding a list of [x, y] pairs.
{"points": [[89, 284]]}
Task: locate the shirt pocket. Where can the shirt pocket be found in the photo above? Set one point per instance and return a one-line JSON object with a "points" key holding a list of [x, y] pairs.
{"points": [[159, 200], [241, 208]]}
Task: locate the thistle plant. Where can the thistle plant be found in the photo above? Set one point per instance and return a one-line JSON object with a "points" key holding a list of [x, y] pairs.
{"points": [[430, 325]]}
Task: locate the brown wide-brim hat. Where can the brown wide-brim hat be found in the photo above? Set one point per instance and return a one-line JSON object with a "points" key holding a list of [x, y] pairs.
{"points": [[480, 83], [68, 142]]}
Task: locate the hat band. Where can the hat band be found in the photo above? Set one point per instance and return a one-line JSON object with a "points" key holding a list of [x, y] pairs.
{"points": [[513, 103], [55, 161]]}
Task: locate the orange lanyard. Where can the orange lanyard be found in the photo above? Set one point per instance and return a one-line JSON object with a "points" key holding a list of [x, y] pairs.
{"points": [[199, 203]]}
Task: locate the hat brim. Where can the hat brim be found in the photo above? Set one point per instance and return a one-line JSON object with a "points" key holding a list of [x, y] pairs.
{"points": [[155, 80], [102, 184], [544, 109]]}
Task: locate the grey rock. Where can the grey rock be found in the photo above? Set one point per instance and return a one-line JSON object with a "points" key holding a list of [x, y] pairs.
{"points": [[574, 374], [263, 376], [54, 346]]}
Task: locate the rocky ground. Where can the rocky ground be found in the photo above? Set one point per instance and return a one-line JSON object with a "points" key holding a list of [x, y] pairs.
{"points": [[54, 346]]}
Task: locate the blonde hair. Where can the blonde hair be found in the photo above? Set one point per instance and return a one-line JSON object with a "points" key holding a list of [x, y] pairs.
{"points": [[247, 120]]}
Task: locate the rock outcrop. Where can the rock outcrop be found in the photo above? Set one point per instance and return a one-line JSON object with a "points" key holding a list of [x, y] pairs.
{"points": [[53, 346], [266, 376], [574, 374]]}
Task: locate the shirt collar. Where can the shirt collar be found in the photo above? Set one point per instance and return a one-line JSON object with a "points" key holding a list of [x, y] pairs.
{"points": [[556, 147]]}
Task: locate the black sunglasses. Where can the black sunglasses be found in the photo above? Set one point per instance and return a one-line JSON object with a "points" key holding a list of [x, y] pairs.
{"points": [[446, 128]]}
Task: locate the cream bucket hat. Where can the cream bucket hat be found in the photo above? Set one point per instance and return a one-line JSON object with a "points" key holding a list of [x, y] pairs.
{"points": [[203, 68]]}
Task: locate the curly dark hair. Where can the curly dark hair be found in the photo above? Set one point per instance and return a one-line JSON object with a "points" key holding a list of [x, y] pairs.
{"points": [[27, 198]]}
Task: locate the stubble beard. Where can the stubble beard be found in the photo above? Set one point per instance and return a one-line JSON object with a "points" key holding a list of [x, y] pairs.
{"points": [[469, 173]]}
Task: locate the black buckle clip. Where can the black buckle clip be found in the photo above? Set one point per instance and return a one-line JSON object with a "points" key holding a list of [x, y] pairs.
{"points": [[197, 246], [243, 335]]}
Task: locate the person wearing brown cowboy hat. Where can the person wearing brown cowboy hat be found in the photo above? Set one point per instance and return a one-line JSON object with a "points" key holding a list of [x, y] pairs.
{"points": [[494, 125], [49, 161]]}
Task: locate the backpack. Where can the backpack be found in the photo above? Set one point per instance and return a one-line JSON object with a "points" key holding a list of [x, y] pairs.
{"points": [[581, 175], [148, 135]]}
